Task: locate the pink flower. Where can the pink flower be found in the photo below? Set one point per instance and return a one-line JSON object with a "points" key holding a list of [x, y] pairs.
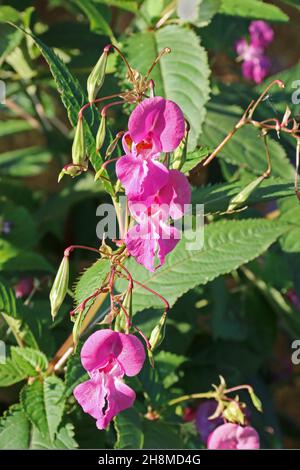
{"points": [[232, 436], [256, 65], [156, 125], [261, 33], [24, 287], [153, 236], [204, 425], [256, 69], [108, 356]]}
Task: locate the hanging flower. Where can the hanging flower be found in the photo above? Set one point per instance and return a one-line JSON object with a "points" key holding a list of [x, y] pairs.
{"points": [[231, 436], [107, 356]]}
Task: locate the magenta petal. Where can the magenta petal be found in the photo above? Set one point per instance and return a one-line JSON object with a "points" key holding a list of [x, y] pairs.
{"points": [[232, 436], [261, 33], [156, 177], [169, 237], [91, 396], [176, 193], [140, 246], [119, 398], [132, 356], [159, 120], [99, 347], [132, 171]]}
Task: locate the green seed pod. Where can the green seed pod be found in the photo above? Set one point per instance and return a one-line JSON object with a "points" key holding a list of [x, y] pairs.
{"points": [[100, 137], [255, 400], [241, 198], [97, 75], [78, 147], [233, 413], [60, 286], [158, 333], [181, 152]]}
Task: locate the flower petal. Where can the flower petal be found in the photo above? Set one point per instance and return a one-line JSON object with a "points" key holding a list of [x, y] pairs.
{"points": [[232, 436], [132, 356], [176, 193], [99, 347], [91, 396], [119, 398], [159, 120], [169, 237], [141, 246]]}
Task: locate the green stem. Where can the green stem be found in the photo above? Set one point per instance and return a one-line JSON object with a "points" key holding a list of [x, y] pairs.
{"points": [[193, 396]]}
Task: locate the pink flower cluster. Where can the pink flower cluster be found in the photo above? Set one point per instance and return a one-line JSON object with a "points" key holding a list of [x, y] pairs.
{"points": [[256, 65], [155, 193], [107, 356], [219, 435]]}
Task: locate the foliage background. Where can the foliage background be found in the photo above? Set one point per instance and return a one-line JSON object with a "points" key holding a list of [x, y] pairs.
{"points": [[230, 316]]}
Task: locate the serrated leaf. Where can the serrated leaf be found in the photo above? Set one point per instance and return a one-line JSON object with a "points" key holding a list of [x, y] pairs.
{"points": [[43, 403], [181, 76], [290, 212], [128, 425], [14, 429], [253, 9], [91, 279], [73, 98], [228, 245], [216, 197], [10, 373], [245, 148], [64, 439], [19, 328], [31, 361]]}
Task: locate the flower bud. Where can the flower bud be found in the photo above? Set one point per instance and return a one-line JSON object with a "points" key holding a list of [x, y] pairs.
{"points": [[60, 286], [233, 413], [158, 333], [100, 137], [78, 147], [242, 197], [96, 77], [255, 400]]}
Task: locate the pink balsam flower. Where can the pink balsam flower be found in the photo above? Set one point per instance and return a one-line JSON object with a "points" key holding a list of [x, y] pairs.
{"points": [[156, 125], [261, 33], [231, 436], [24, 287], [107, 356], [255, 63], [153, 236]]}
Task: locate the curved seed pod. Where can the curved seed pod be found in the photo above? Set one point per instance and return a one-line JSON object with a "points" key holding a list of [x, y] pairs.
{"points": [[97, 75], [158, 333], [60, 286]]}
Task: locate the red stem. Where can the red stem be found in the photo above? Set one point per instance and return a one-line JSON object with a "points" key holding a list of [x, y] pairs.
{"points": [[71, 248]]}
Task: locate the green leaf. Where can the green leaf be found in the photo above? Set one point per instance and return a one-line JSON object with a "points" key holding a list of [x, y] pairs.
{"points": [[73, 99], [253, 9], [24, 363], [43, 403], [161, 435], [91, 279], [128, 425], [9, 40], [14, 319], [216, 197], [98, 23], [15, 259], [227, 246], [202, 13], [194, 158], [28, 161], [245, 148], [128, 5], [167, 364], [13, 126], [75, 373], [181, 76], [290, 212], [64, 439], [29, 360], [14, 429]]}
